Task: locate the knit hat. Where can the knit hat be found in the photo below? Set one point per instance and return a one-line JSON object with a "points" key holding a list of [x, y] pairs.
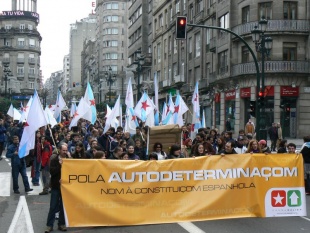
{"points": [[187, 141], [262, 142]]}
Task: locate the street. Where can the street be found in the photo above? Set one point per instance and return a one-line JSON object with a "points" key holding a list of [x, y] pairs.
{"points": [[38, 207]]}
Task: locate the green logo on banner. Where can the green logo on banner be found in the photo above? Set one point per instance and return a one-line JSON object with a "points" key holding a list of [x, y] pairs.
{"points": [[293, 198]]}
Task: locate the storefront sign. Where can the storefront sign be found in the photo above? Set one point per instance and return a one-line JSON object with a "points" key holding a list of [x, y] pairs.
{"points": [[245, 92], [230, 95], [289, 91]]}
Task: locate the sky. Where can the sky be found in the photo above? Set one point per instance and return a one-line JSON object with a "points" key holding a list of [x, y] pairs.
{"points": [[54, 27]]}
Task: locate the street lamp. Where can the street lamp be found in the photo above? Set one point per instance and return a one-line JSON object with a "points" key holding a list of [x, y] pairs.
{"points": [[7, 73], [139, 62], [110, 80], [263, 45]]}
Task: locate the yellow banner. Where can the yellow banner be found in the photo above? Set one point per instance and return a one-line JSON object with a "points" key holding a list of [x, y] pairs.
{"points": [[114, 193]]}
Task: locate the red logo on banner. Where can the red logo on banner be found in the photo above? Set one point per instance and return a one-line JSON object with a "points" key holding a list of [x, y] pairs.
{"points": [[278, 198]]}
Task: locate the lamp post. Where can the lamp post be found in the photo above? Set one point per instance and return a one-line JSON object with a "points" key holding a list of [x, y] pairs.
{"points": [[110, 78], [263, 45], [7, 73], [139, 62]]}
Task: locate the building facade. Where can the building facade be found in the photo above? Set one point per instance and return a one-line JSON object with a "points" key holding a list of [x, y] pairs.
{"points": [[223, 66], [20, 49]]}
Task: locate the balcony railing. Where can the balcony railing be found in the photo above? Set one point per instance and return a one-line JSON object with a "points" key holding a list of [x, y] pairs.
{"points": [[272, 67], [203, 83], [31, 61], [212, 77], [198, 17], [275, 26], [20, 60], [6, 60]]}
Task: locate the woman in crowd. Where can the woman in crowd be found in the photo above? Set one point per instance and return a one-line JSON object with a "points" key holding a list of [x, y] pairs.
{"points": [[220, 144], [175, 152], [117, 153], [188, 143], [140, 149], [99, 155], [264, 147], [131, 153], [158, 149], [153, 156], [124, 156], [199, 150], [123, 144], [253, 147], [79, 152]]}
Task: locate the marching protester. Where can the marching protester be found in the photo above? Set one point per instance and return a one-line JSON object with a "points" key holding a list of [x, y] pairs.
{"points": [[2, 137]]}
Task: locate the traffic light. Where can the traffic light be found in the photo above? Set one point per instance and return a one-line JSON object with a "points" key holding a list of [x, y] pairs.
{"points": [[252, 108], [181, 28], [261, 98]]}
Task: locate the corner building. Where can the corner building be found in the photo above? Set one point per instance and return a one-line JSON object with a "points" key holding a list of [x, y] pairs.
{"points": [[224, 67]]}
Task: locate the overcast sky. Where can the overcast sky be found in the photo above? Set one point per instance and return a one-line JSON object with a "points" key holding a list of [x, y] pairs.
{"points": [[54, 27]]}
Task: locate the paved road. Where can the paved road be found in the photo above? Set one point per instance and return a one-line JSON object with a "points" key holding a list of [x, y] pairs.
{"points": [[38, 208]]}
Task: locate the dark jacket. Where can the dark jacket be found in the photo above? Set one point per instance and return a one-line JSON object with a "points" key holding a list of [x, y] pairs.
{"points": [[305, 151], [2, 133], [15, 160], [55, 171]]}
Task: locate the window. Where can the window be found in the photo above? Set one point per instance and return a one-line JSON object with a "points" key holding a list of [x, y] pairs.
{"points": [[177, 6], [169, 45], [22, 26], [197, 44], [171, 13], [223, 62], [110, 31], [110, 43], [161, 20], [30, 27], [199, 6], [174, 69], [175, 47], [245, 55], [112, 6], [110, 56], [21, 42], [224, 21], [184, 5], [31, 85], [190, 48], [159, 53], [191, 12], [246, 14], [31, 71], [31, 42], [110, 18], [290, 10], [8, 26], [165, 48], [20, 55], [289, 51], [265, 10], [20, 70], [208, 36]]}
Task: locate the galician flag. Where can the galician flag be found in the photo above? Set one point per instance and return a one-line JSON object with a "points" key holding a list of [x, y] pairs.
{"points": [[60, 104], [36, 119], [111, 118], [144, 107], [72, 109], [25, 111], [11, 111], [81, 110], [169, 114], [91, 115], [179, 109], [50, 117], [131, 121]]}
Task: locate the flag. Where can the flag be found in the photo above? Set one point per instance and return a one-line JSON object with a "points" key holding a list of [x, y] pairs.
{"points": [[25, 111], [50, 117], [150, 121], [81, 110], [130, 121], [91, 115], [11, 111], [60, 104], [35, 120], [129, 95], [113, 115], [156, 116], [72, 109], [203, 120], [163, 114], [196, 108], [179, 109], [52, 107], [144, 107], [16, 115], [169, 114]]}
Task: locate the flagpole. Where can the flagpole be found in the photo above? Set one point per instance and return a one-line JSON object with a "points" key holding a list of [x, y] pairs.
{"points": [[48, 126]]}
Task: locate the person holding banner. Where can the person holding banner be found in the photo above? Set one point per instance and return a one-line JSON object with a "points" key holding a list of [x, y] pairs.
{"points": [[253, 147], [229, 149], [56, 199], [199, 150], [175, 152], [305, 151]]}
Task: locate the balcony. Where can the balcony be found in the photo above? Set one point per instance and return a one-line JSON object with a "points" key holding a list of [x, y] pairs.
{"points": [[198, 17], [213, 44], [31, 77], [31, 61], [300, 67], [20, 76], [295, 26], [159, 31], [6, 60], [187, 89], [179, 79], [203, 83], [20, 60], [212, 77]]}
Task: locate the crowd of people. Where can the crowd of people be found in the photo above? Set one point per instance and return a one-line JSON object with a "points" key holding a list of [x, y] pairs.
{"points": [[87, 141]]}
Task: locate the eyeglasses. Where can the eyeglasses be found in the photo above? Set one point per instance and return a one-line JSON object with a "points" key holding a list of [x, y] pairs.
{"points": [[158, 147]]}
